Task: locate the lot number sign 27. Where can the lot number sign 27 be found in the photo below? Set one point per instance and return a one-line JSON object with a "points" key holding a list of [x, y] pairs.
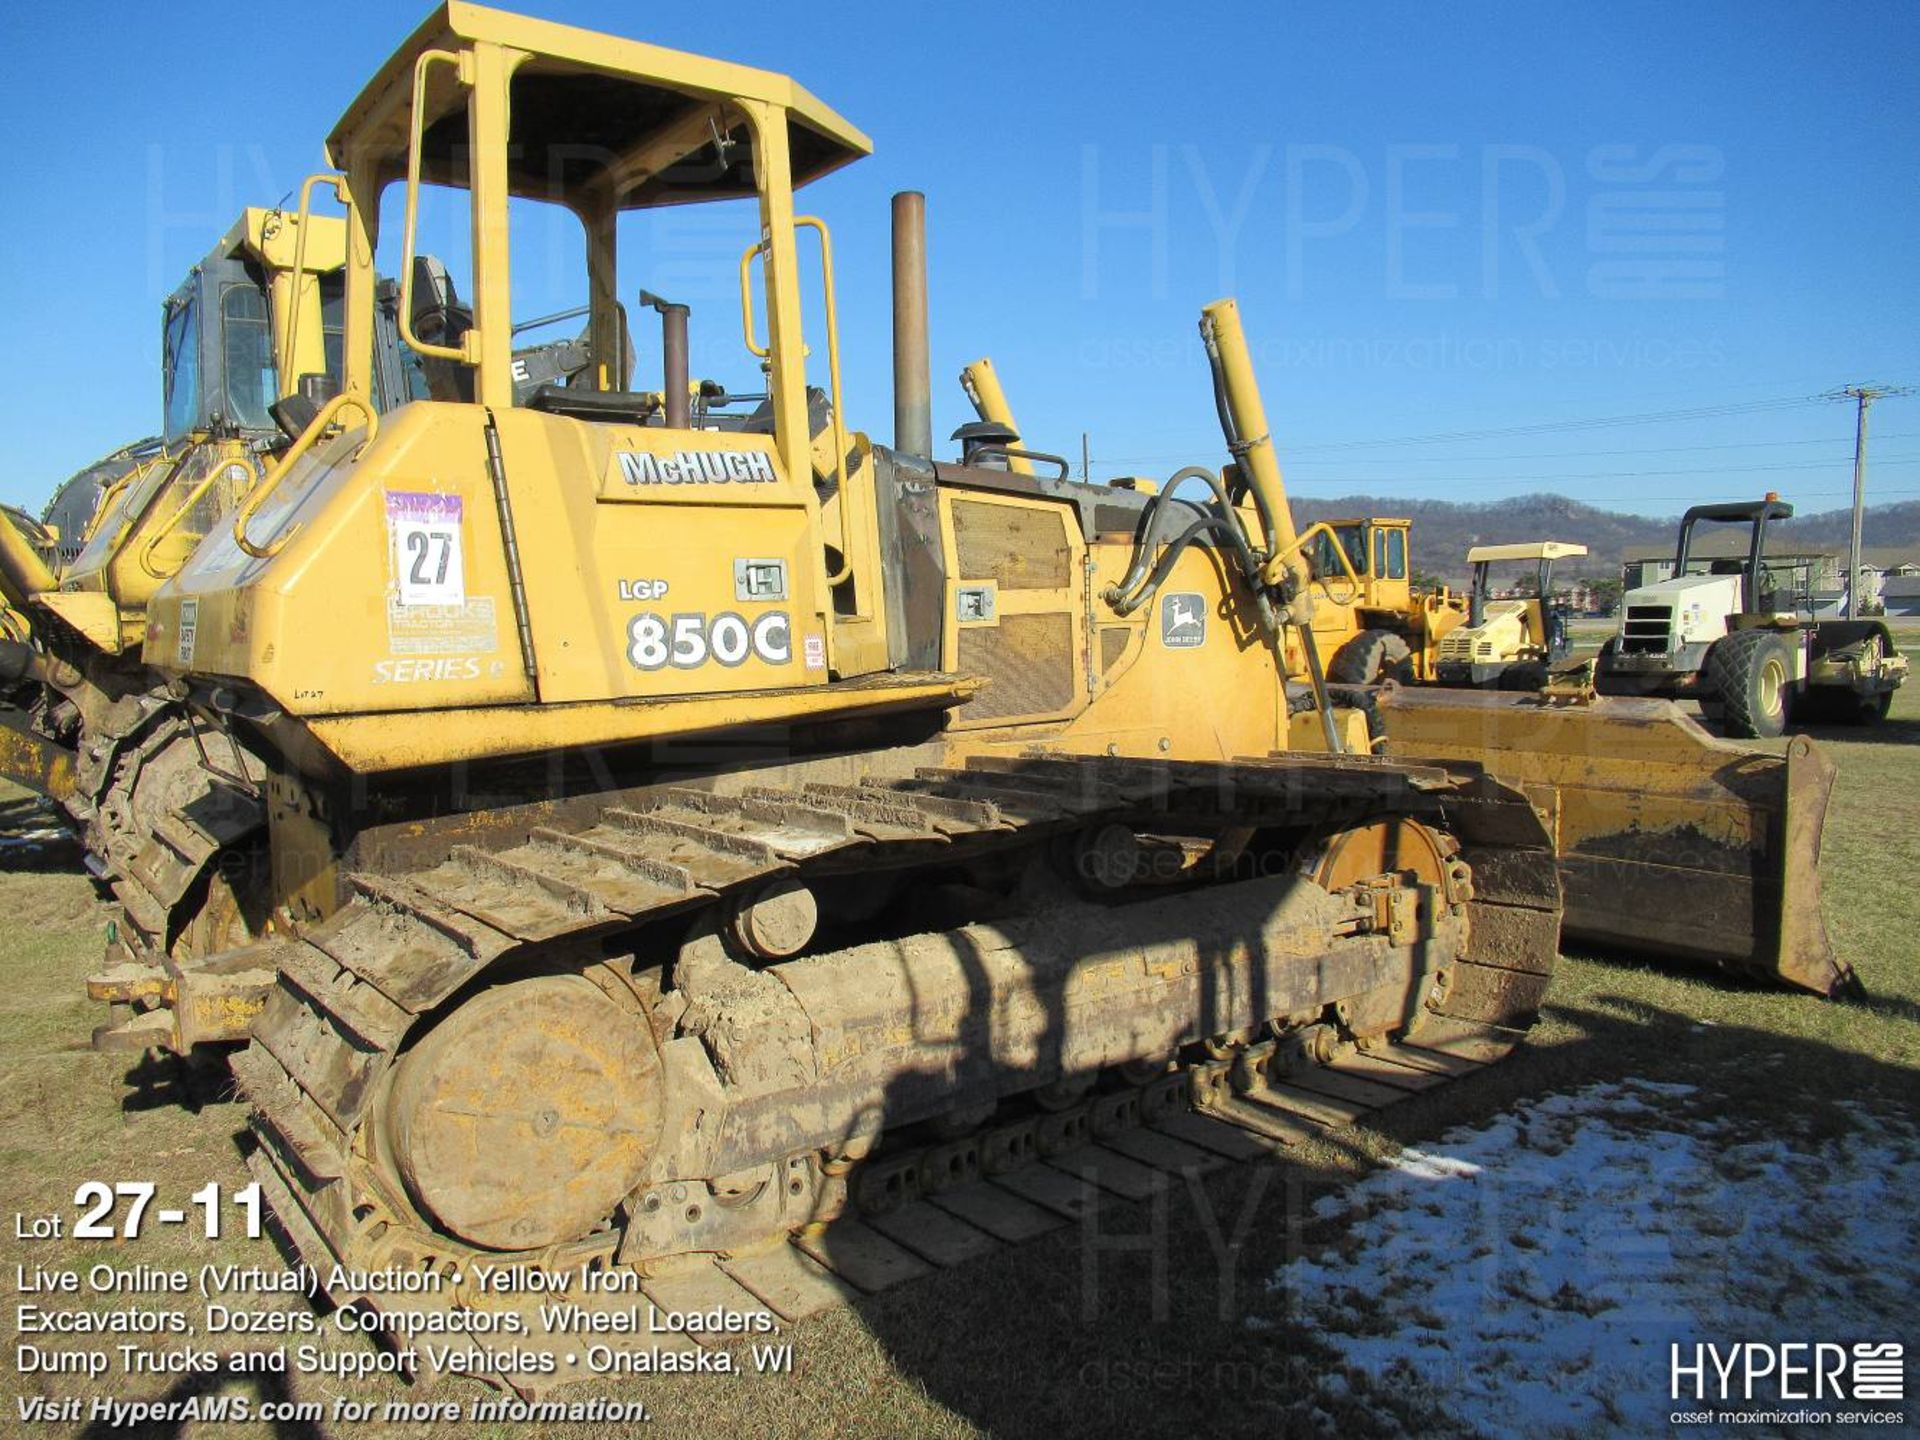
{"points": [[425, 532]]}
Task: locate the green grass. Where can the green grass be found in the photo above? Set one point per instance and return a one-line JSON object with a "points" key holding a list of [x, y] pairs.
{"points": [[1060, 1337]]}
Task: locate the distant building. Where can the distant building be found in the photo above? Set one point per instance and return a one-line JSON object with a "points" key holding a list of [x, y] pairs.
{"points": [[1645, 570], [1579, 596], [1576, 593], [1901, 594]]}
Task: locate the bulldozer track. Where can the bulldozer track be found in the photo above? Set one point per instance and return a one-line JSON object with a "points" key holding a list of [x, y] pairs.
{"points": [[352, 989]]}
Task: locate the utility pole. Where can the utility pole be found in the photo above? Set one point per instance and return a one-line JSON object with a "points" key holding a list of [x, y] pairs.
{"points": [[1863, 396], [1086, 461]]}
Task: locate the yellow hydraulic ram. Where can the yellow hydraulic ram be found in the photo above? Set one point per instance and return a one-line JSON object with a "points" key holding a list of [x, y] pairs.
{"points": [[1669, 841], [982, 384]]}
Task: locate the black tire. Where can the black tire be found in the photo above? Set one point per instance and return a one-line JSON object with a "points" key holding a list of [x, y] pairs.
{"points": [[1603, 667], [1528, 675], [1751, 674], [1370, 657]]}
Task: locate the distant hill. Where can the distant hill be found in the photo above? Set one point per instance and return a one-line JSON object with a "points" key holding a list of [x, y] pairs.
{"points": [[1444, 529]]}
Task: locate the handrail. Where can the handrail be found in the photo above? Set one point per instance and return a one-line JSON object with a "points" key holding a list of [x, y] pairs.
{"points": [[271, 480], [152, 542], [464, 351], [1287, 552], [819, 227], [754, 347], [110, 492], [289, 382]]}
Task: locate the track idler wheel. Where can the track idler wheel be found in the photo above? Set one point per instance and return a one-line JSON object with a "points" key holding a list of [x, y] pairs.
{"points": [[526, 1115], [1399, 846]]}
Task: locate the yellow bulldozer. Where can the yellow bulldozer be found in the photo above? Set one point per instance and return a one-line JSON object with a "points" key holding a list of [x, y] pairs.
{"points": [[264, 303], [686, 830]]}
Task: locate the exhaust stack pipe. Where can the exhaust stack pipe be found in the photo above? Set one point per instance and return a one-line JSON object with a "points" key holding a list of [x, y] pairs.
{"points": [[912, 392], [673, 354]]}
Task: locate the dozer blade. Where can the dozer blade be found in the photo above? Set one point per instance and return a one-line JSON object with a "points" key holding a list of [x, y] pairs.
{"points": [[33, 761], [1670, 842]]}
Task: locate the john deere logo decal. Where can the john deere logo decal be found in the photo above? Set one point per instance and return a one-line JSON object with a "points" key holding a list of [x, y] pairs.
{"points": [[1183, 621]]}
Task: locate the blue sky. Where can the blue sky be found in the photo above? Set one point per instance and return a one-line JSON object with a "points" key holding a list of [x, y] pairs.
{"points": [[1474, 221]]}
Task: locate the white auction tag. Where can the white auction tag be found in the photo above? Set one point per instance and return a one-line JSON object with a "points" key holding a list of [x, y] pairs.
{"points": [[425, 529]]}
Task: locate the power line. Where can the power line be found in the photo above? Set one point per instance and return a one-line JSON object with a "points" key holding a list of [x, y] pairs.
{"points": [[1603, 422], [1581, 454], [1543, 427], [1650, 417], [1318, 459], [1383, 494], [1539, 454], [1534, 477]]}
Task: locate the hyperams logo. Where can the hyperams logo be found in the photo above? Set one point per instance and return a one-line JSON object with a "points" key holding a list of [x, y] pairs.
{"points": [[1773, 1373], [697, 467]]}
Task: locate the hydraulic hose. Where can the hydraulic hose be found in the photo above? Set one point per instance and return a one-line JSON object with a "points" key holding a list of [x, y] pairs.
{"points": [[1130, 600], [1238, 446], [1145, 576]]}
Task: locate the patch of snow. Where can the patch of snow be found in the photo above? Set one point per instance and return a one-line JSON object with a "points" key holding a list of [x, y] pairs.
{"points": [[1423, 1165], [1533, 1272]]}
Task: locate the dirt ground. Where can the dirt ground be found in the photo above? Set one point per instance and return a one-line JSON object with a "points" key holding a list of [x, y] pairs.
{"points": [[1138, 1323]]}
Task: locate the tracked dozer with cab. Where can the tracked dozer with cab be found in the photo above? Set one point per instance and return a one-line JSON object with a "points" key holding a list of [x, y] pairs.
{"points": [[263, 302], [251, 344], [689, 830]]}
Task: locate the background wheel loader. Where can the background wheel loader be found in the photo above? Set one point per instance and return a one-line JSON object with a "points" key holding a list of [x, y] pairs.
{"points": [[1370, 619], [1731, 634], [690, 831]]}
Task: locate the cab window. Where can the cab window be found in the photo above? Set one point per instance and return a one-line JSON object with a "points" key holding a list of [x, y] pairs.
{"points": [[1324, 561], [1390, 554], [248, 357], [333, 324], [1319, 553], [181, 347]]}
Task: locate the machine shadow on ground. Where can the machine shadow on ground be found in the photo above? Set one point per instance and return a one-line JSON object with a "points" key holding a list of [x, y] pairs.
{"points": [[1159, 1313]]}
